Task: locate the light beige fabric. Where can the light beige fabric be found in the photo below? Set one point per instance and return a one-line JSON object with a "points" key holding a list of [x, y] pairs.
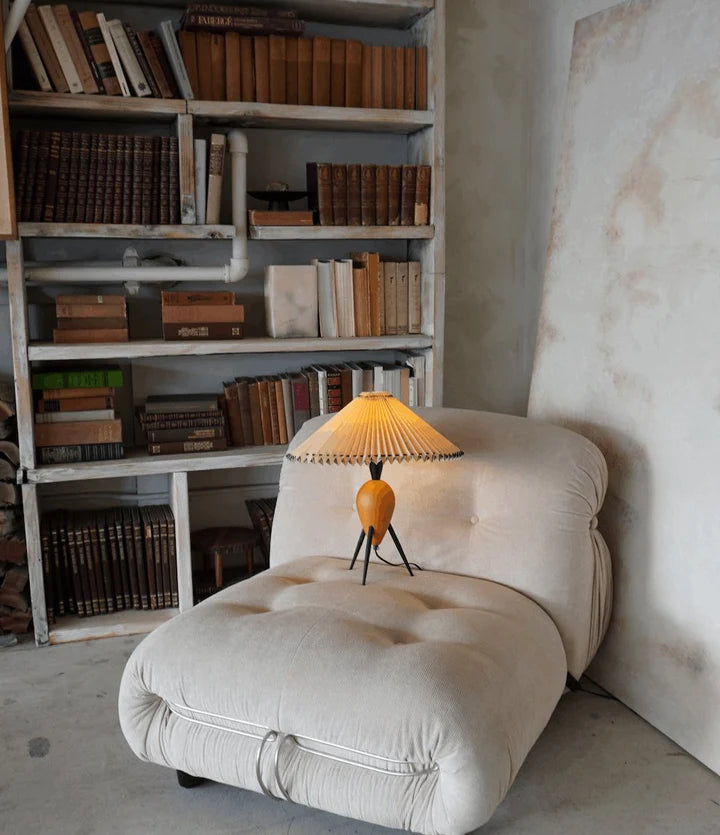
{"points": [[412, 701], [518, 508], [452, 676]]}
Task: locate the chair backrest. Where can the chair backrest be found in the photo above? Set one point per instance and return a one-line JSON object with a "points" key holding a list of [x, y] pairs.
{"points": [[519, 508]]}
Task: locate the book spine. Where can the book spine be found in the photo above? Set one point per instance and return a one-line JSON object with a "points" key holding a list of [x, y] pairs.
{"points": [[235, 433], [390, 283], [40, 185], [305, 70], [50, 604], [143, 66], [26, 206], [115, 528], [216, 165], [376, 95], [186, 151], [45, 48], [339, 195], [334, 390], [22, 151], [217, 66], [180, 414], [272, 403], [247, 67], [77, 433], [277, 61], [172, 553], [76, 404], [261, 52], [34, 59], [51, 184], [354, 195], [137, 534], [241, 11], [409, 73], [394, 194], [245, 25], [414, 297], [92, 548], [421, 78], [90, 310], [66, 417], [167, 72], [113, 53], [233, 77], [182, 447], [146, 532], [151, 66], [399, 74], [337, 72], [83, 175], [188, 51], [167, 34], [388, 78], [74, 44], [85, 379], [281, 411], [200, 161], [214, 298], [382, 206], [73, 177], [89, 57], [321, 71], [366, 76], [79, 336], [99, 51], [146, 199], [101, 183], [421, 212], [407, 198], [193, 434], [291, 71], [111, 189], [62, 53], [353, 73], [188, 314], [368, 197], [402, 298], [117, 197], [174, 179], [99, 539]]}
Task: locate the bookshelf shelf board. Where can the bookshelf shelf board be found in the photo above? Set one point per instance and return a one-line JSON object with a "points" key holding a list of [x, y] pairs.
{"points": [[138, 462], [396, 14], [340, 233], [161, 348], [122, 230], [130, 622], [82, 106], [302, 117]]}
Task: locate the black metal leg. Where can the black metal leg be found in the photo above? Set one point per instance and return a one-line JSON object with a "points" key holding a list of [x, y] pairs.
{"points": [[188, 781], [400, 550], [368, 546], [357, 550]]}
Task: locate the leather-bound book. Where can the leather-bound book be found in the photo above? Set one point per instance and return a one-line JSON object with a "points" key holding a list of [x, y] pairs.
{"points": [[305, 70], [339, 194], [421, 212], [247, 68], [334, 390], [255, 415], [205, 313], [161, 520], [155, 73], [196, 297], [261, 46], [111, 189], [353, 73], [402, 298], [346, 383], [394, 194], [162, 57], [103, 569], [376, 99], [337, 73], [187, 41], [321, 71], [388, 76], [137, 172], [368, 196], [89, 214], [89, 57], [123, 520], [366, 76], [381, 196], [361, 301], [46, 50], [217, 59], [177, 331], [118, 180], [140, 557], [235, 433], [67, 537], [22, 150], [92, 560], [50, 593], [277, 49], [300, 400], [313, 390], [51, 183], [166, 511], [185, 208], [164, 180], [101, 181], [354, 205], [242, 385], [281, 412], [371, 262], [421, 78], [233, 74], [134, 39], [274, 413], [76, 208], [63, 183], [407, 198], [147, 157], [410, 59], [291, 70], [203, 46], [27, 196], [320, 191], [148, 554], [399, 74], [265, 418], [174, 180], [390, 284], [414, 297]]}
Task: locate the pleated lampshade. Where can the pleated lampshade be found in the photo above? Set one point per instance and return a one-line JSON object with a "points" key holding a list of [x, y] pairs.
{"points": [[374, 427]]}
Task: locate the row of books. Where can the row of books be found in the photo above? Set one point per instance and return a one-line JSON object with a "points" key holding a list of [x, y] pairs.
{"points": [[183, 423], [368, 194], [102, 561], [271, 409], [83, 52], [73, 177], [201, 315], [75, 417], [308, 71], [95, 318]]}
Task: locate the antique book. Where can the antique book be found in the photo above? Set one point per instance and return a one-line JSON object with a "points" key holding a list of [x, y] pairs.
{"points": [[113, 53], [75, 48], [216, 166], [339, 194], [99, 51], [321, 57], [197, 297], [242, 385], [77, 453], [399, 75], [164, 61], [401, 289], [320, 191], [320, 373], [155, 68], [288, 405], [174, 57], [421, 213], [337, 72], [174, 331], [60, 47], [182, 447], [149, 554], [394, 194], [327, 303], [261, 46], [78, 336], [250, 25], [234, 421], [38, 198], [354, 195], [277, 58], [334, 390], [366, 76], [51, 181], [342, 272], [313, 390], [382, 207], [305, 70], [377, 83], [409, 73], [45, 48], [33, 56], [281, 417], [203, 313], [74, 404], [134, 40], [188, 51], [70, 417], [421, 78], [197, 433], [388, 77], [279, 218], [217, 65], [233, 77], [160, 531], [291, 70], [407, 197], [255, 416], [186, 178], [129, 60], [140, 556], [78, 432], [90, 310], [200, 163], [361, 301], [390, 283], [77, 379], [274, 413], [247, 68], [368, 195], [291, 301], [184, 403], [353, 73], [265, 412], [85, 47], [169, 528], [300, 400], [414, 297], [371, 261]]}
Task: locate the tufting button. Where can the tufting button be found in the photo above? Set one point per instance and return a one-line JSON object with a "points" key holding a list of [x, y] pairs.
{"points": [[474, 520], [593, 523]]}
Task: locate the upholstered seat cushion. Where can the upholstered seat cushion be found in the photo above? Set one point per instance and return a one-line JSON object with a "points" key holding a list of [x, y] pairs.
{"points": [[411, 702]]}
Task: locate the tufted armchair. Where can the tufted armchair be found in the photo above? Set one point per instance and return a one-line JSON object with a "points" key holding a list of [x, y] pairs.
{"points": [[413, 701]]}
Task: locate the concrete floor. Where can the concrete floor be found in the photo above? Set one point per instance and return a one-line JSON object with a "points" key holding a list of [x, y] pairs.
{"points": [[65, 768]]}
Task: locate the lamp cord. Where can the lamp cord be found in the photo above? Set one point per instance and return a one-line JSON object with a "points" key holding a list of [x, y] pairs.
{"points": [[395, 564]]}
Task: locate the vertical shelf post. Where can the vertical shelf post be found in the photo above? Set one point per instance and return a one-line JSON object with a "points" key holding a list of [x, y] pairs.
{"points": [[180, 503], [31, 512]]}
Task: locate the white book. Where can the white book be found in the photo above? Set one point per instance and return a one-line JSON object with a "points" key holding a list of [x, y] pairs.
{"points": [[379, 383], [114, 57], [289, 410], [291, 301], [322, 388], [33, 56], [60, 48], [128, 59], [412, 383], [417, 363], [177, 65], [357, 379], [327, 301], [343, 274], [73, 417], [369, 375], [200, 179]]}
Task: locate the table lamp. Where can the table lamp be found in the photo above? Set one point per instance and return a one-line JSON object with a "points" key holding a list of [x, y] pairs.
{"points": [[372, 429]]}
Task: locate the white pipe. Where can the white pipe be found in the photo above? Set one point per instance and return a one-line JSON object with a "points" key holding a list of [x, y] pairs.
{"points": [[239, 264], [14, 19]]}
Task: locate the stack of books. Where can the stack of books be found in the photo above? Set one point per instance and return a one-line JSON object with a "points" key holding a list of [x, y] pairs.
{"points": [[201, 315], [90, 319], [73, 177], [101, 561], [183, 423], [368, 194], [75, 416], [83, 52]]}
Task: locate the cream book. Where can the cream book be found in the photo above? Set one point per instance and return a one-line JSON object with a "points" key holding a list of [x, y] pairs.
{"points": [[327, 302], [390, 285], [343, 274], [216, 165], [414, 297], [60, 48], [112, 52], [291, 301], [77, 53], [402, 298], [128, 59]]}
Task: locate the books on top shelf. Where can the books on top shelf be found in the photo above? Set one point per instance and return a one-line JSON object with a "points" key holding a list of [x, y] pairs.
{"points": [[101, 561], [90, 318], [184, 423], [75, 415], [201, 315], [359, 194]]}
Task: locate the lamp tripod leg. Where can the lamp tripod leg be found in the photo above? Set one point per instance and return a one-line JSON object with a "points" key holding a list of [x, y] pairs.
{"points": [[368, 546], [392, 533], [357, 550]]}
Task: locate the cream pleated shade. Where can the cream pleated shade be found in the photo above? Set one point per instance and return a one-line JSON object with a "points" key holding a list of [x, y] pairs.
{"points": [[374, 427]]}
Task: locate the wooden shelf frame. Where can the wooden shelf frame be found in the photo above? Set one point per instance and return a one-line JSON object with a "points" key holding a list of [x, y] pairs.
{"points": [[341, 233], [175, 232]]}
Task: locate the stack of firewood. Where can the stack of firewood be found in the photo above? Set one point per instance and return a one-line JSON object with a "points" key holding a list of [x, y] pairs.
{"points": [[15, 613]]}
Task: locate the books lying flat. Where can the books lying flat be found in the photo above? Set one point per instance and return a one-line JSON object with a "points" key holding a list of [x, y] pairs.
{"points": [[79, 336], [78, 432], [182, 447], [86, 379], [69, 417], [203, 313], [213, 330], [171, 298], [185, 403], [91, 323], [290, 218], [78, 453], [75, 404]]}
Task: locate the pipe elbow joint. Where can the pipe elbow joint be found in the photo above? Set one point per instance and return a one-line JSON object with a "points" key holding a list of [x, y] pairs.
{"points": [[236, 270]]}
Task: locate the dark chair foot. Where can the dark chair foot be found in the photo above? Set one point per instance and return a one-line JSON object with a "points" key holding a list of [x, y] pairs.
{"points": [[188, 781]]}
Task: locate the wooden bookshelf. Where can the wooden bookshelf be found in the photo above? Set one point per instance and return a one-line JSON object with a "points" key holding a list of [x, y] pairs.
{"points": [[106, 108], [341, 233], [160, 348], [70, 628], [177, 232]]}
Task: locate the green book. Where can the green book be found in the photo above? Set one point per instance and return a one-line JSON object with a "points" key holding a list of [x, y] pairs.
{"points": [[78, 379]]}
